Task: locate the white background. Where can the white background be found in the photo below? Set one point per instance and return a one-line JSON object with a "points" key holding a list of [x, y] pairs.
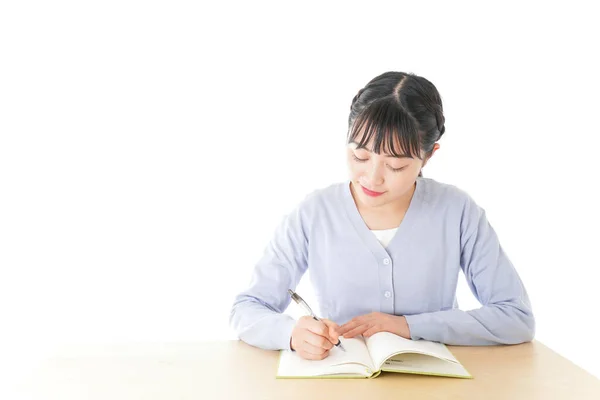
{"points": [[149, 149]]}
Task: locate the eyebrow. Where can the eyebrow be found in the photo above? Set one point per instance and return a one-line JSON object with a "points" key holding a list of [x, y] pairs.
{"points": [[387, 155]]}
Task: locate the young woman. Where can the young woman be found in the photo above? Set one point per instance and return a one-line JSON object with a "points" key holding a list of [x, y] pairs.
{"points": [[385, 247]]}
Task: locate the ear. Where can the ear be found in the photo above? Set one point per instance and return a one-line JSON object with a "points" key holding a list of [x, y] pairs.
{"points": [[435, 148]]}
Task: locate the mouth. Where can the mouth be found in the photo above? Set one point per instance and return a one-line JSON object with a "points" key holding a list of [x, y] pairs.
{"points": [[371, 192]]}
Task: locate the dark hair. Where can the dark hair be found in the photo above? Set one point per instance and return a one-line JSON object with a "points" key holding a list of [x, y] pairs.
{"points": [[401, 106]]}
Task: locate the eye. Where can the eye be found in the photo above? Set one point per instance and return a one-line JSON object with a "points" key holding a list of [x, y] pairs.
{"points": [[358, 159], [361, 160]]}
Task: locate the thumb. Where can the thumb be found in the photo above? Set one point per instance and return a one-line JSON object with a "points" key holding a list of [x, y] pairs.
{"points": [[333, 330]]}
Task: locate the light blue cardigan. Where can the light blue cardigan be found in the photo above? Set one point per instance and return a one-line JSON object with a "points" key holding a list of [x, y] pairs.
{"points": [[415, 276]]}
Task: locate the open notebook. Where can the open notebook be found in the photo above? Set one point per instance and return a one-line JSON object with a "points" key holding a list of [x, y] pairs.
{"points": [[367, 357]]}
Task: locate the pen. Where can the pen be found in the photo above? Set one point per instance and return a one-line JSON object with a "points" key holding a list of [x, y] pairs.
{"points": [[303, 304]]}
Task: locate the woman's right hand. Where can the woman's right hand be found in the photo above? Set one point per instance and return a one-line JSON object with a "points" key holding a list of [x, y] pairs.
{"points": [[313, 339]]}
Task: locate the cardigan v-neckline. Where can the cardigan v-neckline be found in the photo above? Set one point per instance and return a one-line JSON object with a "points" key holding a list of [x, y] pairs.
{"points": [[361, 228]]}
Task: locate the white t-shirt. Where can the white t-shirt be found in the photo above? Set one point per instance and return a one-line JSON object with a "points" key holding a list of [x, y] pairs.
{"points": [[385, 235]]}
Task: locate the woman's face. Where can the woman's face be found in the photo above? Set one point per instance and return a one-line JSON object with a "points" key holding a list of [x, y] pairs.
{"points": [[390, 177]]}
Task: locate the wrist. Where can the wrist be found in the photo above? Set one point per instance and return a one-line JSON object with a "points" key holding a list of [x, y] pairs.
{"points": [[403, 329]]}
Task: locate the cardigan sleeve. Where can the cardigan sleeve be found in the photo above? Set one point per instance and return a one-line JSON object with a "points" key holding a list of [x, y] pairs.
{"points": [[257, 313], [505, 316]]}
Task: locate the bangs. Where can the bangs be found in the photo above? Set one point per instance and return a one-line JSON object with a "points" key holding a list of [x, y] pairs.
{"points": [[390, 127]]}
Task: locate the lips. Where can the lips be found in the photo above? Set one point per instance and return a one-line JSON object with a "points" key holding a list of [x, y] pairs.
{"points": [[371, 192]]}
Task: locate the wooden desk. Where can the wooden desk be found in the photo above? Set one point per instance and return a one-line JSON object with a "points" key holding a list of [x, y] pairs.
{"points": [[235, 370]]}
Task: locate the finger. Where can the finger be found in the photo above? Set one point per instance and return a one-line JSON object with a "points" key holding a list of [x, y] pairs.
{"points": [[318, 340], [309, 356], [335, 337], [333, 330], [317, 327], [330, 324], [348, 326], [356, 331], [320, 328], [372, 330], [312, 349]]}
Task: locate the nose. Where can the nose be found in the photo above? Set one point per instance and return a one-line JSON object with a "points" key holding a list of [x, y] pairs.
{"points": [[373, 176]]}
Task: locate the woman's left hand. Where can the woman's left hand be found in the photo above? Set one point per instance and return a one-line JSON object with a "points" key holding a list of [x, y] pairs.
{"points": [[374, 322]]}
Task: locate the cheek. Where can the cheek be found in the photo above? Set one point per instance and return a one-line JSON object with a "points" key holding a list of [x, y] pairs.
{"points": [[354, 167], [357, 171]]}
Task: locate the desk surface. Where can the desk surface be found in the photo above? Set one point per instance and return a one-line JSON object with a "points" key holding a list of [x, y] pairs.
{"points": [[235, 370]]}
